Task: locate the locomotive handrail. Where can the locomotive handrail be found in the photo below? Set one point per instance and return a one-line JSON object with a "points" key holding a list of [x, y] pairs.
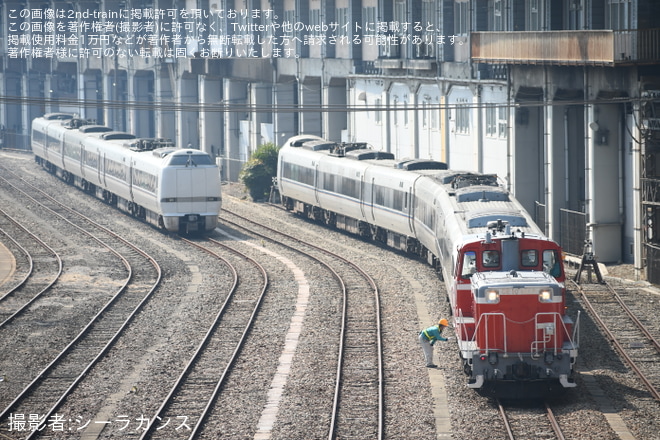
{"points": [[534, 348], [485, 317]]}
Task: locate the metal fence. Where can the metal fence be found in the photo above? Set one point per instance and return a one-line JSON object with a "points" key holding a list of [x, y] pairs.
{"points": [[15, 141], [652, 263], [573, 231]]}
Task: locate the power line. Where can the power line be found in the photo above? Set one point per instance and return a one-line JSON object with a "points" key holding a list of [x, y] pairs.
{"points": [[221, 107]]}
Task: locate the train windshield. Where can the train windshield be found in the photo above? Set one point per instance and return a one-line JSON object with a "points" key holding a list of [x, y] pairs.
{"points": [[190, 160], [529, 258]]}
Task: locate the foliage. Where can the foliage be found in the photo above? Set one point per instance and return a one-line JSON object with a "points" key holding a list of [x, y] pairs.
{"points": [[258, 172]]}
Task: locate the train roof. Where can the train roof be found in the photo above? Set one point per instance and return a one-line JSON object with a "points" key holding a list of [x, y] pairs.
{"points": [[94, 129], [479, 200], [298, 141], [57, 116], [162, 152], [360, 151]]}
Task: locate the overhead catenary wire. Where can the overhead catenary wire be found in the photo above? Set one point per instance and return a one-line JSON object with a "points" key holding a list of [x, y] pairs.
{"points": [[224, 106]]}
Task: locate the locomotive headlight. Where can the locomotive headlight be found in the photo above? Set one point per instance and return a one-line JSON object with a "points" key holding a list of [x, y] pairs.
{"points": [[492, 296], [545, 295]]}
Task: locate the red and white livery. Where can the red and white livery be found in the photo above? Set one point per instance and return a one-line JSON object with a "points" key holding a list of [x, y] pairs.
{"points": [[504, 278]]}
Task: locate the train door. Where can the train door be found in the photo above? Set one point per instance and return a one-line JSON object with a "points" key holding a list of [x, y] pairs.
{"points": [[82, 160], [131, 163], [64, 137], [363, 197], [408, 205], [102, 172], [317, 182], [44, 147]]}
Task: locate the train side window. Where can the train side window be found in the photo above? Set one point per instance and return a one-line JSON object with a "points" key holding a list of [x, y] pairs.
{"points": [[490, 258], [551, 263], [469, 264], [530, 258]]}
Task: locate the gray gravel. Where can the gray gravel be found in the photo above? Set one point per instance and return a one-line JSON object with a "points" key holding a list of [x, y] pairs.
{"points": [[136, 374]]}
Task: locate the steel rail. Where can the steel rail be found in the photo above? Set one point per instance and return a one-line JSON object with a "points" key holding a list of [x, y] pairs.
{"points": [[69, 348], [634, 318], [553, 421], [505, 419], [30, 270], [650, 387], [378, 332], [167, 401]]}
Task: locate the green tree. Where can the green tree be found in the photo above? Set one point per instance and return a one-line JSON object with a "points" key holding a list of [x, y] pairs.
{"points": [[258, 172]]}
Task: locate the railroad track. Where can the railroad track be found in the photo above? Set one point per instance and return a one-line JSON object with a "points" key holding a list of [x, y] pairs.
{"points": [[50, 387], [358, 397], [624, 328], [42, 267], [531, 420], [199, 384]]}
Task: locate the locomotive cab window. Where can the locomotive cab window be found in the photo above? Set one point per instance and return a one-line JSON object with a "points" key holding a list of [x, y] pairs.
{"points": [[469, 264], [551, 263], [529, 258], [490, 259]]}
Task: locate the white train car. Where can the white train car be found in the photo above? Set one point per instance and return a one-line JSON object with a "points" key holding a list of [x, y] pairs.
{"points": [[354, 188], [175, 189]]}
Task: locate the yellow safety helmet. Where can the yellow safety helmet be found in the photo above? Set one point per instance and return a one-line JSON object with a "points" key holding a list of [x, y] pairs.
{"points": [[443, 322]]}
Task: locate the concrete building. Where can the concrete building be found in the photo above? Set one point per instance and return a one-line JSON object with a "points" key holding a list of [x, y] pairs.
{"points": [[559, 98]]}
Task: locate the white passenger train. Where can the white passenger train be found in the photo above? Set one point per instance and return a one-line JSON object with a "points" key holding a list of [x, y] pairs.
{"points": [[504, 278], [172, 188]]}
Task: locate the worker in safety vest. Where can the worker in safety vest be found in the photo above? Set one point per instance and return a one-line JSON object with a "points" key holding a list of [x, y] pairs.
{"points": [[429, 336]]}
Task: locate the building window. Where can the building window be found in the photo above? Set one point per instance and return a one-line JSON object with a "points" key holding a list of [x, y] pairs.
{"points": [[343, 27], [430, 113], [400, 19], [378, 114], [575, 14], [435, 117], [462, 116], [535, 15], [396, 111], [426, 46], [491, 112], [315, 23], [405, 113], [461, 18], [618, 13], [425, 112], [502, 122], [289, 17], [369, 25], [496, 125], [498, 15]]}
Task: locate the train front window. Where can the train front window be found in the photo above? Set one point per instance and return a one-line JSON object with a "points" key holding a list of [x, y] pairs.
{"points": [[529, 258], [490, 259]]}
